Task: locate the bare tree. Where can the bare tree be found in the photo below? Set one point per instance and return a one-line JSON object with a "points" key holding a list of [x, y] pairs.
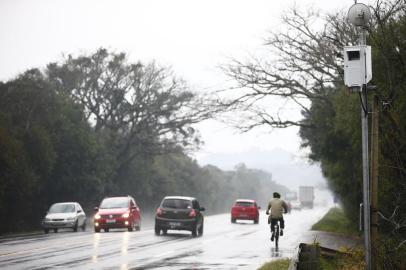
{"points": [[304, 65]]}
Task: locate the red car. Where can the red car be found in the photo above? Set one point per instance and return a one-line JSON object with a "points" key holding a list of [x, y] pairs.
{"points": [[117, 212], [246, 210]]}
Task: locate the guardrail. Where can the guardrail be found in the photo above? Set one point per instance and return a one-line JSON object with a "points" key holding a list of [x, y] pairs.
{"points": [[308, 256]]}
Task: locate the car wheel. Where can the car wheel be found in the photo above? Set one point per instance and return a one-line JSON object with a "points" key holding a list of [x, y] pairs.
{"points": [[96, 230], [194, 231], [55, 230], [75, 228], [84, 226], [232, 220], [46, 230], [131, 227], [255, 221], [157, 230], [106, 230], [138, 227], [164, 231], [200, 231]]}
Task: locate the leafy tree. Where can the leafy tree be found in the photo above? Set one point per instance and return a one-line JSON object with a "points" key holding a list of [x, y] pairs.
{"points": [[49, 151], [97, 126], [142, 110]]}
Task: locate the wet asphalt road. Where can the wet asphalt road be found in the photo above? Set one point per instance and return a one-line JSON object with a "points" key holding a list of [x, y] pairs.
{"points": [[223, 246]]}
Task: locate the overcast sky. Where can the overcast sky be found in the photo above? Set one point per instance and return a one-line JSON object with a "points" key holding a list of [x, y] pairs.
{"points": [[192, 36]]}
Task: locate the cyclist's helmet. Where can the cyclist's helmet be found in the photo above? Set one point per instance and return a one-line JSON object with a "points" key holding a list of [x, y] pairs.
{"points": [[276, 195]]}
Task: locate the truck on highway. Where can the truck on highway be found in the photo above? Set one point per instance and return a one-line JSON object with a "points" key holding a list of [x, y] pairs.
{"points": [[291, 196], [306, 196]]}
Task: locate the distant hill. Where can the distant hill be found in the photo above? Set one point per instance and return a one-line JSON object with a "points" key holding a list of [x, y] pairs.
{"points": [[286, 168]]}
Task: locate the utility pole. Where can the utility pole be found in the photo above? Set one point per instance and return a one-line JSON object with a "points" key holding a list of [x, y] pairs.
{"points": [[374, 180], [357, 73], [365, 173]]}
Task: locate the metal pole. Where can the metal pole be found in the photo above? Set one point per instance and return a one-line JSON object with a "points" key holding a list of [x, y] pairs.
{"points": [[365, 164], [365, 172], [374, 181]]}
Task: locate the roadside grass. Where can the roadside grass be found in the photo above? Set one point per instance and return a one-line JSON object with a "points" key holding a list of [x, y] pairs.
{"points": [[281, 264], [328, 263], [353, 259], [335, 221], [349, 259]]}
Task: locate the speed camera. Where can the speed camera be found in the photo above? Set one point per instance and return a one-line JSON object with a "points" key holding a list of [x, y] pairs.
{"points": [[357, 66]]}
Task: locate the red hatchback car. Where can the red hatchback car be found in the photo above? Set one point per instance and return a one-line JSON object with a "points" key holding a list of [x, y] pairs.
{"points": [[117, 212], [245, 210]]}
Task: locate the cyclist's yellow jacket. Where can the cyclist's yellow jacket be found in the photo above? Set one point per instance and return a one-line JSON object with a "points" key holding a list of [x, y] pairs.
{"points": [[277, 207]]}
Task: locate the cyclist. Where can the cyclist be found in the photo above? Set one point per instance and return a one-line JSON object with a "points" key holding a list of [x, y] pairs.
{"points": [[277, 207]]}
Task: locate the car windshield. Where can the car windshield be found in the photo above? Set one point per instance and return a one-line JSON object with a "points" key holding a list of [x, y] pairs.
{"points": [[177, 204], [245, 204], [62, 208], [114, 203]]}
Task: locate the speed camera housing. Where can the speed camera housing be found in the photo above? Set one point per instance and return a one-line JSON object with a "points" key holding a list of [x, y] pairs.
{"points": [[357, 66]]}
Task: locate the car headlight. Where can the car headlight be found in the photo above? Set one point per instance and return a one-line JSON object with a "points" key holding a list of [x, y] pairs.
{"points": [[126, 215], [47, 219], [97, 216], [70, 218]]}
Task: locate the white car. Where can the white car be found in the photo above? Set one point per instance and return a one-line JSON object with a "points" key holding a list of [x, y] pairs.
{"points": [[295, 205], [64, 215]]}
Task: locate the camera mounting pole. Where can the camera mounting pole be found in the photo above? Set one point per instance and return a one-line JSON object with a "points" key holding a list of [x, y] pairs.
{"points": [[357, 73]]}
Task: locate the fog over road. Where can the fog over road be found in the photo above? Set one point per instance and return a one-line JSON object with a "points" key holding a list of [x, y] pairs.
{"points": [[223, 246]]}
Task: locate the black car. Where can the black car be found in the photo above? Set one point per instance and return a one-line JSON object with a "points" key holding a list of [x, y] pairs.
{"points": [[179, 213]]}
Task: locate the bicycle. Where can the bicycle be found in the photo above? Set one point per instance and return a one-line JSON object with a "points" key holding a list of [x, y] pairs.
{"points": [[276, 234]]}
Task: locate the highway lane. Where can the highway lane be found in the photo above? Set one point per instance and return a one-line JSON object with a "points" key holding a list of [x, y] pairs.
{"points": [[223, 246]]}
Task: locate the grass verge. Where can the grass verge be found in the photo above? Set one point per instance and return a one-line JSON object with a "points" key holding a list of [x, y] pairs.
{"points": [[349, 259], [281, 264], [335, 221]]}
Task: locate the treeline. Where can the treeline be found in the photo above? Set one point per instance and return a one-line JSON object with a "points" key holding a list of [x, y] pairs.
{"points": [[308, 72], [97, 125], [336, 141]]}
